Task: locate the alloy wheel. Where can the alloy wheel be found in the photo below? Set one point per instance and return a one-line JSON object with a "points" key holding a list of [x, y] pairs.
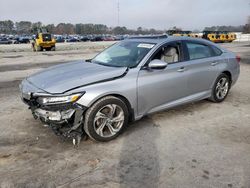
{"points": [[222, 88], [109, 120]]}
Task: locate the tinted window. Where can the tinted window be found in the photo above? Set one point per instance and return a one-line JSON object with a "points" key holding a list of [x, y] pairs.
{"points": [[217, 51], [46, 37], [198, 51], [169, 53]]}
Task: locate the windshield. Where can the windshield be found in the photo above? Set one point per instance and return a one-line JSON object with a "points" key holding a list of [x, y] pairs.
{"points": [[123, 54]]}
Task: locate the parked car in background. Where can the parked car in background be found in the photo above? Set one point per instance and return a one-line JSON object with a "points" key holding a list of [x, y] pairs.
{"points": [[60, 39], [108, 38], [22, 40], [96, 38], [84, 38], [127, 81], [119, 37], [72, 40], [5, 41]]}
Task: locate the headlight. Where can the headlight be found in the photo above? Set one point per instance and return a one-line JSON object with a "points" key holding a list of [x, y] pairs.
{"points": [[60, 99]]}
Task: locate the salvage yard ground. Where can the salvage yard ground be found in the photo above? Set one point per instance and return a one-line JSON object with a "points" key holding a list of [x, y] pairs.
{"points": [[196, 145]]}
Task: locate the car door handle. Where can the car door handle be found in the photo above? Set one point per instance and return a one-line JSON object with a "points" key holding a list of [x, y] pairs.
{"points": [[182, 69], [214, 63]]}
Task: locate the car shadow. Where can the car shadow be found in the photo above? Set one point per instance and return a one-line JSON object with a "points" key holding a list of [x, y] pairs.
{"points": [[139, 159]]}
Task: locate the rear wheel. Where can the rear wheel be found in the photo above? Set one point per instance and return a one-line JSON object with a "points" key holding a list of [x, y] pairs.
{"points": [[53, 48], [220, 88], [106, 119]]}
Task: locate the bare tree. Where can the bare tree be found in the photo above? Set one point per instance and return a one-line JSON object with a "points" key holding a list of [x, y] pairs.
{"points": [[6, 26]]}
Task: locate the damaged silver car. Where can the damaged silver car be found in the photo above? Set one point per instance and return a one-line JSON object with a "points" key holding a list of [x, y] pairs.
{"points": [[127, 81]]}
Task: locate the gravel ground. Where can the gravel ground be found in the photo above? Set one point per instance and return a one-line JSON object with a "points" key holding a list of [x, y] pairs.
{"points": [[197, 145]]}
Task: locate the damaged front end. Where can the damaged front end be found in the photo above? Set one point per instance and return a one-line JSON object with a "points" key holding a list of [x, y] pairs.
{"points": [[60, 112]]}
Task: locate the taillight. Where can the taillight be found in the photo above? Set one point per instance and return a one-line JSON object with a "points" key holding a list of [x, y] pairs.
{"points": [[238, 58]]}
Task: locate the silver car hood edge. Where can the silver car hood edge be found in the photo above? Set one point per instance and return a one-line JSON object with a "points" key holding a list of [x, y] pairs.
{"points": [[63, 78], [105, 80]]}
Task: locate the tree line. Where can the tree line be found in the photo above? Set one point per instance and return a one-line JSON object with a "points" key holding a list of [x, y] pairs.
{"points": [[27, 27], [230, 28]]}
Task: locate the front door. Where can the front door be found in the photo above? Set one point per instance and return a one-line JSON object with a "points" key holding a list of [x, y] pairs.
{"points": [[157, 88]]}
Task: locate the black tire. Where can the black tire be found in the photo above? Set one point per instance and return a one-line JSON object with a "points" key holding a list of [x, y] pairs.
{"points": [[53, 48], [91, 114], [214, 97]]}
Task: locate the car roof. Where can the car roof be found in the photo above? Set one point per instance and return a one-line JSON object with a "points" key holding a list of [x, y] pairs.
{"points": [[160, 40]]}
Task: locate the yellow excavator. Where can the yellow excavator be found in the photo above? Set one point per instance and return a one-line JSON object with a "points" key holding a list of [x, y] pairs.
{"points": [[214, 36], [231, 37], [43, 41], [219, 36], [183, 33]]}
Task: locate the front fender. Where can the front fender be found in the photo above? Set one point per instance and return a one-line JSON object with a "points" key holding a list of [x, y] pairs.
{"points": [[125, 87]]}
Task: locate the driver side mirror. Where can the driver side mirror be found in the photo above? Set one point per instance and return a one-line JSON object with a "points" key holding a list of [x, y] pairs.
{"points": [[157, 64]]}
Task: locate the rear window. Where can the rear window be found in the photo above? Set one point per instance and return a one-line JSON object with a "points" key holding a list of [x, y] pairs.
{"points": [[46, 37], [198, 51]]}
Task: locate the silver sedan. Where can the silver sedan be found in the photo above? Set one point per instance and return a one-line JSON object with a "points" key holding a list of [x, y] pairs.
{"points": [[130, 79]]}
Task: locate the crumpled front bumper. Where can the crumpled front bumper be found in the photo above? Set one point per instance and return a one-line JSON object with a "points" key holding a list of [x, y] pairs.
{"points": [[64, 119], [54, 116]]}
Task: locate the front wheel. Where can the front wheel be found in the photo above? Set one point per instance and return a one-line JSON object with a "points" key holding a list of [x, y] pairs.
{"points": [[38, 48], [106, 119], [220, 88]]}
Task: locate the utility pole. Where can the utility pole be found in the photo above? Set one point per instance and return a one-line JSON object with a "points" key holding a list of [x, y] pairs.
{"points": [[118, 13]]}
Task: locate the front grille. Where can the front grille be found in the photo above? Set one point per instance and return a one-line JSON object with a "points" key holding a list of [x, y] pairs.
{"points": [[56, 107]]}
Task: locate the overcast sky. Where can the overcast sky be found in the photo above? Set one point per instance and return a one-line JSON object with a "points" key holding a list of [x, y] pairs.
{"points": [[159, 14]]}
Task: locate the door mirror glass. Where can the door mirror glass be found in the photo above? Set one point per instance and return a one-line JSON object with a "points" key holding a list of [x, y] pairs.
{"points": [[157, 64]]}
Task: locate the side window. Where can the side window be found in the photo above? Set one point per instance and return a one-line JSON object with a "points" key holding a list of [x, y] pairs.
{"points": [[198, 51], [169, 53], [216, 51]]}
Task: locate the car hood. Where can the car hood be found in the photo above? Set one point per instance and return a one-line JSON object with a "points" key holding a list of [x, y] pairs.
{"points": [[65, 77]]}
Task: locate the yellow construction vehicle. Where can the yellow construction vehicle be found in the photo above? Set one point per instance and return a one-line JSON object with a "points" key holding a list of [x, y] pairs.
{"points": [[173, 32], [231, 37], [210, 35], [195, 35], [183, 33], [43, 40], [219, 36]]}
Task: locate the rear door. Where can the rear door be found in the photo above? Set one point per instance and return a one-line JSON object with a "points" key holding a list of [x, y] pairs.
{"points": [[202, 66]]}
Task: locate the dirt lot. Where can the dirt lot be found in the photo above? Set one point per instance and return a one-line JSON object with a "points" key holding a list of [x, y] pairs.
{"points": [[197, 145]]}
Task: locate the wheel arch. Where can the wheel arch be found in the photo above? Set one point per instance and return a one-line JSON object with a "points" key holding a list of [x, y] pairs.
{"points": [[123, 98], [126, 101], [229, 74]]}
